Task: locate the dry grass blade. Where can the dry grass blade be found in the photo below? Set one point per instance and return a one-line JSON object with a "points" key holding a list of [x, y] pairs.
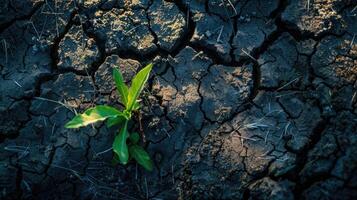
{"points": [[353, 98], [255, 125], [5, 49], [246, 138], [58, 102], [355, 8], [17, 83], [289, 83], [37, 33], [102, 152], [188, 14], [220, 34], [250, 56], [231, 4], [353, 39]]}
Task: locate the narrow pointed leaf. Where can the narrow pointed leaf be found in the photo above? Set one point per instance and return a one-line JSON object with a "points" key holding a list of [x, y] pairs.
{"points": [[121, 87], [115, 121], [119, 145], [92, 115], [115, 159], [137, 85], [136, 105], [141, 156], [134, 137]]}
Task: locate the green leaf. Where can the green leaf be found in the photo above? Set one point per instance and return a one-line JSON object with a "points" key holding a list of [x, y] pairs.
{"points": [[141, 156], [115, 159], [134, 137], [121, 87], [115, 121], [92, 115], [136, 105], [119, 145], [137, 86]]}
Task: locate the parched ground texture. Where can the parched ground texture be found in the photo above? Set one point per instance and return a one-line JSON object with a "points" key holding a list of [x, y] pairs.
{"points": [[249, 99]]}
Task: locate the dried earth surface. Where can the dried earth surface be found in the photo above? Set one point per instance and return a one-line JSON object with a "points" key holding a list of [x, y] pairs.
{"points": [[248, 99]]}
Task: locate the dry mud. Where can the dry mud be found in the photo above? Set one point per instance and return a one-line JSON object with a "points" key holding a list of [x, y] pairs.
{"points": [[249, 99]]}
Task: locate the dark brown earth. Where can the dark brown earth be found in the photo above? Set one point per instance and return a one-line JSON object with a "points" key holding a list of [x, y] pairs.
{"points": [[249, 99]]}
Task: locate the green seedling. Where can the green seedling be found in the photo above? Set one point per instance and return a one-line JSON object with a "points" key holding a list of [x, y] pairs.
{"points": [[125, 146]]}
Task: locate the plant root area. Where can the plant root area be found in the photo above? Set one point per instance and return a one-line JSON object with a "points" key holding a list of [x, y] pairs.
{"points": [[248, 99]]}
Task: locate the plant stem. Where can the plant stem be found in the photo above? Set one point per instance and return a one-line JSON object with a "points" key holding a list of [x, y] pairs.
{"points": [[141, 130]]}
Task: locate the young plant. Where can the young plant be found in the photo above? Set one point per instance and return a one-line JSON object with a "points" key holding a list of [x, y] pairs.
{"points": [[123, 148]]}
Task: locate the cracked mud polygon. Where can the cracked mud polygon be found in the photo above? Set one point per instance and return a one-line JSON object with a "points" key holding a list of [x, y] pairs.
{"points": [[248, 99]]}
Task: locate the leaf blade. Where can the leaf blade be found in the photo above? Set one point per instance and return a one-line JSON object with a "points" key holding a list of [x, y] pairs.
{"points": [[141, 156], [93, 115], [134, 137], [120, 84], [115, 120], [137, 85], [119, 145], [136, 105]]}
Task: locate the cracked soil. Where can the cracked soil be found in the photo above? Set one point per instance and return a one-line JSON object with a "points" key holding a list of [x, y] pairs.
{"points": [[248, 99]]}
